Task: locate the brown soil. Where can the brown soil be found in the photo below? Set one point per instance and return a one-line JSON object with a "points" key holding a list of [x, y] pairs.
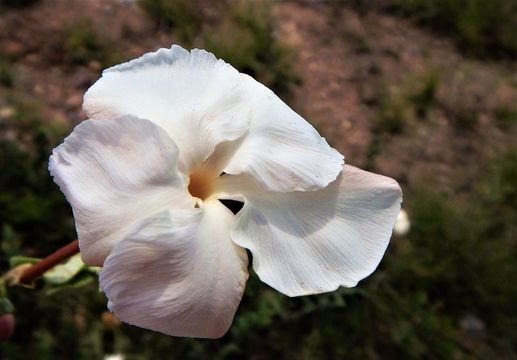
{"points": [[345, 59]]}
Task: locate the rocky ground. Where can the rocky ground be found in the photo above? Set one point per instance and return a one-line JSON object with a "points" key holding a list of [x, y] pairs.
{"points": [[354, 67], [348, 60]]}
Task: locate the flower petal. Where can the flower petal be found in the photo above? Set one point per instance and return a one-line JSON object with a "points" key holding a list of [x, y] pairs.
{"points": [[180, 275], [282, 151], [195, 97], [313, 242], [115, 173]]}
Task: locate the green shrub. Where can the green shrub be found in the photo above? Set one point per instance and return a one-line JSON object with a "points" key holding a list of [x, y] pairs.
{"points": [[31, 207], [505, 117], [393, 112], [246, 40], [374, 149], [183, 16], [485, 28], [461, 249], [363, 45], [425, 97], [82, 45], [6, 73]]}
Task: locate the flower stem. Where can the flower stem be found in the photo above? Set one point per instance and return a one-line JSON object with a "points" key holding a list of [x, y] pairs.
{"points": [[32, 273]]}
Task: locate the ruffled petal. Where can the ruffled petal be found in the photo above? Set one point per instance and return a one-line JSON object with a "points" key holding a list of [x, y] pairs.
{"points": [[313, 242], [282, 151], [195, 97], [115, 173], [178, 274]]}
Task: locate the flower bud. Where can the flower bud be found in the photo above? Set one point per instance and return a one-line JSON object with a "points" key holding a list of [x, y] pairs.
{"points": [[7, 323]]}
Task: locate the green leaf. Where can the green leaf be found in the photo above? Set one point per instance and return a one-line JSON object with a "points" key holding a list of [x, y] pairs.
{"points": [[82, 279], [15, 261], [6, 306], [10, 242], [62, 274], [93, 269]]}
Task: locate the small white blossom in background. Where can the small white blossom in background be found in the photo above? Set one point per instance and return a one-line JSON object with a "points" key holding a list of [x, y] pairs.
{"points": [[172, 133], [114, 357], [402, 224]]}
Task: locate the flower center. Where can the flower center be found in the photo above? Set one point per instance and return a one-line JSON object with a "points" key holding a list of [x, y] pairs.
{"points": [[201, 184]]}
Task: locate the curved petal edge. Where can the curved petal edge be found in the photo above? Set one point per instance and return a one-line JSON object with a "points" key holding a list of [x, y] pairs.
{"points": [[313, 242], [178, 273], [114, 173], [282, 151]]}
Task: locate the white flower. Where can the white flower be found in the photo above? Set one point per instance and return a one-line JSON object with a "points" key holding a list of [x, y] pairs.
{"points": [[184, 131], [402, 223], [114, 357]]}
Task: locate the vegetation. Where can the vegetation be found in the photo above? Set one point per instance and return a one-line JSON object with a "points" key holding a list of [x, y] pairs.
{"points": [[462, 117], [246, 40], [506, 117], [485, 28], [28, 196], [83, 45], [393, 112], [425, 97], [413, 100], [182, 16], [6, 72]]}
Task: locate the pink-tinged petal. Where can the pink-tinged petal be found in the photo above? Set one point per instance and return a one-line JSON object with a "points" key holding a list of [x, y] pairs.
{"points": [[281, 151], [179, 274], [195, 97], [115, 173], [313, 242]]}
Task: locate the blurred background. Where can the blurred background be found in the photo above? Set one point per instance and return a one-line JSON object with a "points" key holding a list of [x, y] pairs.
{"points": [[424, 91]]}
